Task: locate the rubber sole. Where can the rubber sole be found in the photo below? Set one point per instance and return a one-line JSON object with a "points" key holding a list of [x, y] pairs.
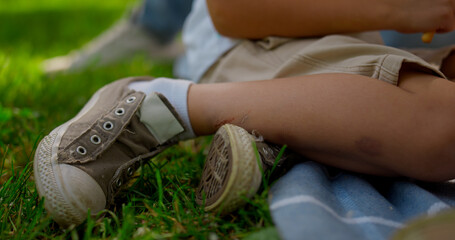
{"points": [[64, 209], [440, 226], [231, 172]]}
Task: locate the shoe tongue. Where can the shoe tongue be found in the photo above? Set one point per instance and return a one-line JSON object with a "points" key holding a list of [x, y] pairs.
{"points": [[134, 141], [104, 168], [160, 120]]}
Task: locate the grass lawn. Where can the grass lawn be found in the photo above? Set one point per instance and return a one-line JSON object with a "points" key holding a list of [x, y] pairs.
{"points": [[160, 203]]}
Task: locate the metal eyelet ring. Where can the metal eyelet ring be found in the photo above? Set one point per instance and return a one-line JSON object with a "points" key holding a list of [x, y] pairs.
{"points": [[81, 150], [95, 139], [118, 182], [108, 125], [119, 111], [130, 171], [131, 99]]}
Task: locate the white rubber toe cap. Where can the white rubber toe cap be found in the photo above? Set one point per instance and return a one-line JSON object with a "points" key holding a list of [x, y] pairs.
{"points": [[82, 190], [73, 195], [67, 190]]}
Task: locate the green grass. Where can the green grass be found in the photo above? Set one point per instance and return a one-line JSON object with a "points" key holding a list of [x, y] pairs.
{"points": [[160, 203]]}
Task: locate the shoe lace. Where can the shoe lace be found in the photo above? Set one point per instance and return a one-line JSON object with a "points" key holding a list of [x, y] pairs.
{"points": [[269, 152]]}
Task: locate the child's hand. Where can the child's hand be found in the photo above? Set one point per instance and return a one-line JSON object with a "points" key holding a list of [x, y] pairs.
{"points": [[410, 16]]}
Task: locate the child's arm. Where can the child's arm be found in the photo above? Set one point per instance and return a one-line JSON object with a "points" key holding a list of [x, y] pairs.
{"points": [[302, 18]]}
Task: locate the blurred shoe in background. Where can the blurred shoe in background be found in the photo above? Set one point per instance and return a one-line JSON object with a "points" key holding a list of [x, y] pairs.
{"points": [[150, 30]]}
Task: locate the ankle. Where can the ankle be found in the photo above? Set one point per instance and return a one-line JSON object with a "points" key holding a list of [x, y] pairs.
{"points": [[200, 112]]}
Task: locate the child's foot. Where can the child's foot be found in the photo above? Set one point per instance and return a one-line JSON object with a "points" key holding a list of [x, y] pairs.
{"points": [[83, 163], [231, 172]]}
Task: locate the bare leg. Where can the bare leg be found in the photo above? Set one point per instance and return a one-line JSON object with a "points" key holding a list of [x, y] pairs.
{"points": [[348, 121], [448, 66]]}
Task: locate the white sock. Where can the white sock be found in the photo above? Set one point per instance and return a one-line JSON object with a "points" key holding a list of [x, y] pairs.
{"points": [[176, 92]]}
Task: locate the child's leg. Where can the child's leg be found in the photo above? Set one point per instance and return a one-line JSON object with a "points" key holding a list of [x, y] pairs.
{"points": [[448, 66], [349, 121]]}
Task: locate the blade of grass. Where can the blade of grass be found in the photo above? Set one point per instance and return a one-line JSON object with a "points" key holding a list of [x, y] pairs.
{"points": [[160, 188]]}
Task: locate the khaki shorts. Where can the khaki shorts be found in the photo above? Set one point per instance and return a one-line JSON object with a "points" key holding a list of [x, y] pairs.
{"points": [[362, 54]]}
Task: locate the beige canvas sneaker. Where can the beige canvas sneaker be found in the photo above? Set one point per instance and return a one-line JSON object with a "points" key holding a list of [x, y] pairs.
{"points": [[440, 226], [232, 172], [83, 163]]}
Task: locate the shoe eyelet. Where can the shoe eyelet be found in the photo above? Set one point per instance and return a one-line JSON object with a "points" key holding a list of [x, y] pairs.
{"points": [[118, 182], [95, 139], [81, 150], [130, 171], [108, 125], [119, 111], [131, 99]]}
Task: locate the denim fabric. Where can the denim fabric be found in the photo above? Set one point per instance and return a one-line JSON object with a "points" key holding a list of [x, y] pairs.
{"points": [[310, 203], [204, 45], [400, 40], [163, 18]]}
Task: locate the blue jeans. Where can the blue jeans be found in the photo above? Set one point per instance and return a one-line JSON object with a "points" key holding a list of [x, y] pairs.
{"points": [[312, 202], [400, 40], [163, 19]]}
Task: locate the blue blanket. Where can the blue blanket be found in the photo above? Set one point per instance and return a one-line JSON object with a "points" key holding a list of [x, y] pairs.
{"points": [[314, 202]]}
